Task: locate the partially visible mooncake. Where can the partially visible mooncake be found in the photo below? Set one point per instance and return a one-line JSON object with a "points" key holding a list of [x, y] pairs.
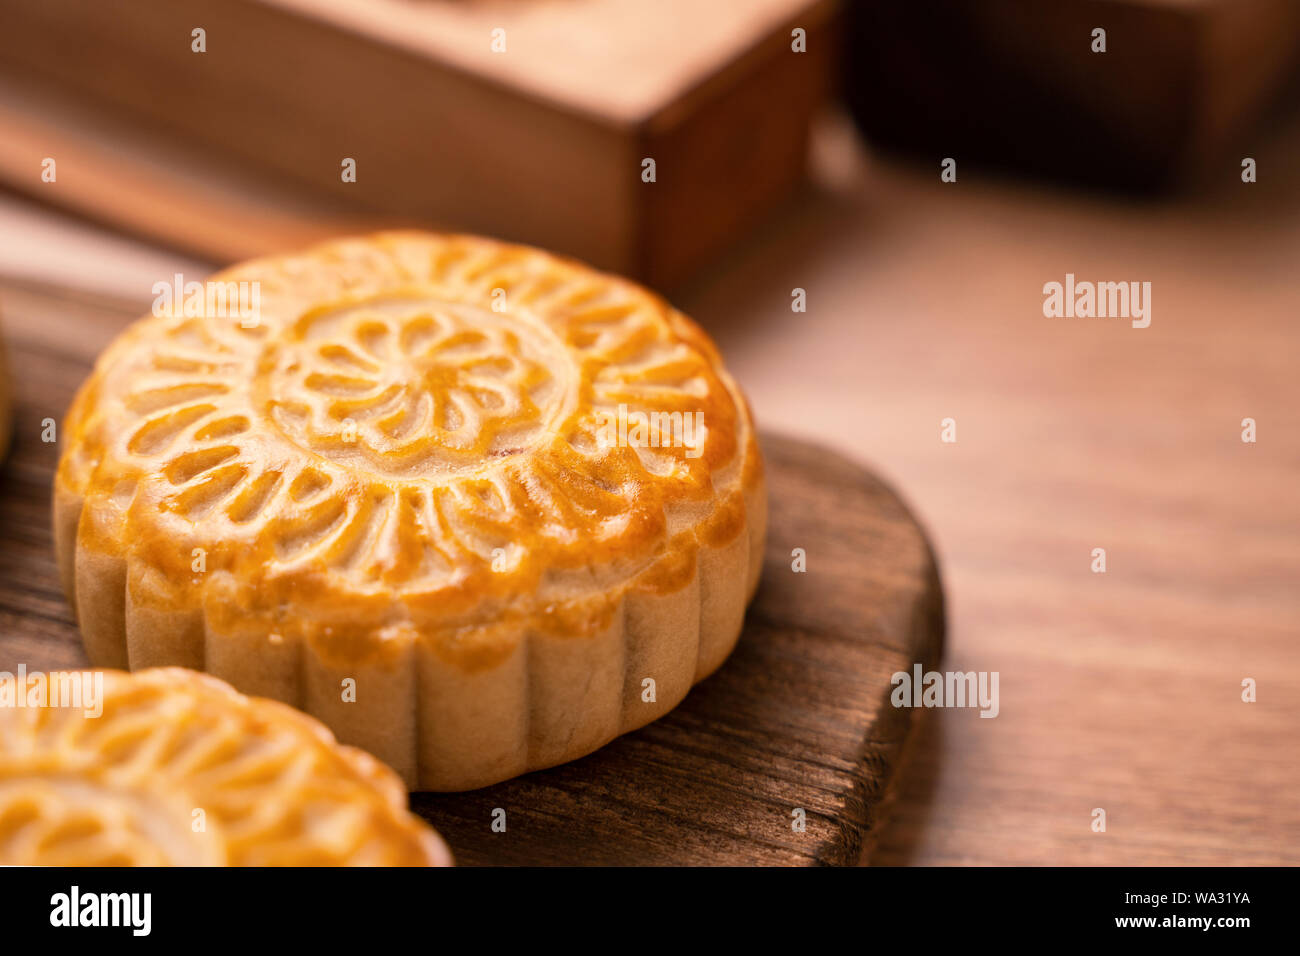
{"points": [[477, 508], [169, 767]]}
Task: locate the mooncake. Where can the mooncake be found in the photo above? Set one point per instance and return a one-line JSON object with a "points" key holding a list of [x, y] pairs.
{"points": [[477, 508], [169, 767]]}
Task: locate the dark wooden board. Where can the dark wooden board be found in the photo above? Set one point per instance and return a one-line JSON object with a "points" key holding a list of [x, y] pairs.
{"points": [[798, 718]]}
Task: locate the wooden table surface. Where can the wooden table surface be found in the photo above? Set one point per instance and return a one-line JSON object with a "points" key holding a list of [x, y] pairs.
{"points": [[1119, 690]]}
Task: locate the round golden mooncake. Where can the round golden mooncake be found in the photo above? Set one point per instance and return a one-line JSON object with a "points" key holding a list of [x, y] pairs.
{"points": [[477, 508], [169, 767]]}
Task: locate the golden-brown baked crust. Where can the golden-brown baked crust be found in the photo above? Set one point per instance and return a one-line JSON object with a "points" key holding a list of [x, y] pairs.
{"points": [[402, 474], [179, 769]]}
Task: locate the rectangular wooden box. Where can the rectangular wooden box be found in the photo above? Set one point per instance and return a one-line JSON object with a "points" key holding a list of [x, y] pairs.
{"points": [[542, 142]]}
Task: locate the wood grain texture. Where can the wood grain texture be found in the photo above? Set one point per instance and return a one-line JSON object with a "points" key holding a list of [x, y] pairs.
{"points": [[799, 716], [1119, 690]]}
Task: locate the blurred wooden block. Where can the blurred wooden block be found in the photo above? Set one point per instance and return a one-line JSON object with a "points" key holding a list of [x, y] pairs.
{"points": [[541, 143], [1015, 83], [119, 174]]}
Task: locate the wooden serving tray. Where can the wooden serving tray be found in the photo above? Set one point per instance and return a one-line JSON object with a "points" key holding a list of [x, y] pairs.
{"points": [[797, 719]]}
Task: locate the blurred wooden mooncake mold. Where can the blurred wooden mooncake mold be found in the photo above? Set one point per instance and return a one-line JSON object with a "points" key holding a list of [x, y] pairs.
{"points": [[6, 400], [168, 767], [478, 508]]}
